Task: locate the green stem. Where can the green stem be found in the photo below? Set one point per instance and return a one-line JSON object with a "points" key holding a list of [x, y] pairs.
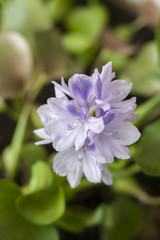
{"points": [[129, 171], [11, 154], [145, 109]]}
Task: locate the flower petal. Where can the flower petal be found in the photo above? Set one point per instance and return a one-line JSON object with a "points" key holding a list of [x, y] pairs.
{"points": [[64, 162], [104, 104], [121, 152], [58, 93], [106, 74], [124, 106], [81, 87], [105, 149], [119, 89], [59, 127], [45, 113], [58, 106], [67, 142], [63, 88], [81, 136], [127, 133], [75, 176], [41, 133], [94, 124], [91, 168], [106, 176]]}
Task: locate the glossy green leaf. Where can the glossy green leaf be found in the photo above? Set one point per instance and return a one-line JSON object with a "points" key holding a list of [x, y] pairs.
{"points": [[148, 149], [43, 207], [128, 219], [144, 71], [88, 20], [76, 43], [41, 177], [12, 225], [25, 16]]}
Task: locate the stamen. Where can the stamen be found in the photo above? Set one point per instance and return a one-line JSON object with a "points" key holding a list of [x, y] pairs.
{"points": [[71, 126], [115, 135]]}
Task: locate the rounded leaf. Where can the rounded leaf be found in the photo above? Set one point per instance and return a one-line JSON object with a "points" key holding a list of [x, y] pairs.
{"points": [[76, 43], [12, 224], [43, 207], [144, 70], [148, 150], [88, 20], [41, 177]]}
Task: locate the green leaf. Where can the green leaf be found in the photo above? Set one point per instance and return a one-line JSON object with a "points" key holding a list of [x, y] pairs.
{"points": [[144, 71], [148, 149], [128, 220], [76, 218], [43, 207], [130, 187], [147, 110], [30, 153], [124, 32], [119, 61], [158, 39], [12, 225], [25, 16], [59, 9], [95, 217], [41, 177], [76, 43], [88, 20], [72, 221]]}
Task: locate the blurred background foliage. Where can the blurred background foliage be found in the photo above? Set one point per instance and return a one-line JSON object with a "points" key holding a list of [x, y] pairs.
{"points": [[40, 41]]}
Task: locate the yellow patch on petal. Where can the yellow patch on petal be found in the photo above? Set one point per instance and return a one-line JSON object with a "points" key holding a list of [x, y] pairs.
{"points": [[106, 121], [76, 110]]}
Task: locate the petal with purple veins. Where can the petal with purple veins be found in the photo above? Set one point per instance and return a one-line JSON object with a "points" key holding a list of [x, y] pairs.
{"points": [[127, 133], [119, 89]]}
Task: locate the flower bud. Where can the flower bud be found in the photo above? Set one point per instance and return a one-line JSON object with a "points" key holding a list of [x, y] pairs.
{"points": [[15, 64]]}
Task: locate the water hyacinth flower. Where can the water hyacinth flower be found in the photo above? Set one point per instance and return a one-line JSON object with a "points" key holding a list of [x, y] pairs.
{"points": [[88, 125]]}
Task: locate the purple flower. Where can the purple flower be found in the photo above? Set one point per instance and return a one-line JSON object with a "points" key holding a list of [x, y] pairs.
{"points": [[91, 129], [74, 164], [66, 124]]}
